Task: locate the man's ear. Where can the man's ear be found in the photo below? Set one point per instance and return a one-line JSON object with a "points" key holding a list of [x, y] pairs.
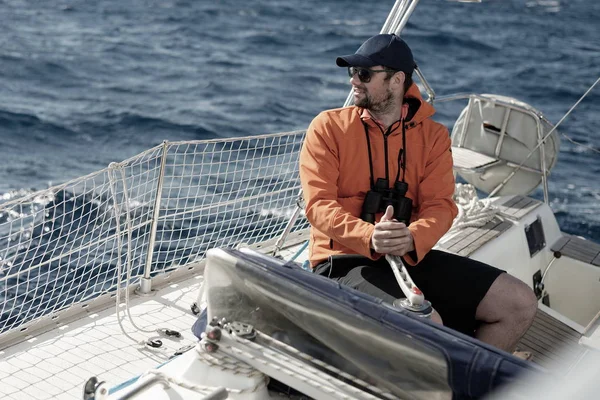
{"points": [[399, 78]]}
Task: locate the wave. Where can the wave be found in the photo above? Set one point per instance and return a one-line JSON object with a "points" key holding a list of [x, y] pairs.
{"points": [[26, 126], [452, 40], [259, 38], [125, 122], [21, 125], [10, 119]]}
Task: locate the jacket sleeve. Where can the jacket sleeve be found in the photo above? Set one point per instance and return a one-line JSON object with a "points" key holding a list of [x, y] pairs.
{"points": [[437, 208], [319, 172]]}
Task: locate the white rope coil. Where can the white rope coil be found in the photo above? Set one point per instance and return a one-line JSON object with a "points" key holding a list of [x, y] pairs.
{"points": [[472, 211]]}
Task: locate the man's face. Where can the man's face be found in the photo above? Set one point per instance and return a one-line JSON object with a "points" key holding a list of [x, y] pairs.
{"points": [[375, 95]]}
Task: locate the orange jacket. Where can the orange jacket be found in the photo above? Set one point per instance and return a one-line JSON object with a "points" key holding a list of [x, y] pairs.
{"points": [[334, 172]]}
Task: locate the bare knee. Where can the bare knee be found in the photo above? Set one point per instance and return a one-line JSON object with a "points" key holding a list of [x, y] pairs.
{"points": [[506, 312], [508, 298], [526, 302], [523, 302]]}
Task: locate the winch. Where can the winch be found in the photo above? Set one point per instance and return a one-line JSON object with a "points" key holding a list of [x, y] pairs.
{"points": [[415, 300]]}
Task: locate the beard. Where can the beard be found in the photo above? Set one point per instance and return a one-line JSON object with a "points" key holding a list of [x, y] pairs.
{"points": [[379, 106]]}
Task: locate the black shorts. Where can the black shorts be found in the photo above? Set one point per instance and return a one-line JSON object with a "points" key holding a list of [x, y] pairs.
{"points": [[453, 284]]}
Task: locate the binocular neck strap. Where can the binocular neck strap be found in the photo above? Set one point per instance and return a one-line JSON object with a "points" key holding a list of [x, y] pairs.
{"points": [[370, 155], [401, 154]]}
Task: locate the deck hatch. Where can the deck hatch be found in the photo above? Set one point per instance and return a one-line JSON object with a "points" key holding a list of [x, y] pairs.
{"points": [[536, 239]]}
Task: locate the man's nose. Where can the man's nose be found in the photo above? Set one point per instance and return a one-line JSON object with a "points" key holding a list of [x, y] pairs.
{"points": [[354, 79]]}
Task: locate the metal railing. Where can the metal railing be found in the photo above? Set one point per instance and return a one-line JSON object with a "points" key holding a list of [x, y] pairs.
{"points": [[543, 131]]}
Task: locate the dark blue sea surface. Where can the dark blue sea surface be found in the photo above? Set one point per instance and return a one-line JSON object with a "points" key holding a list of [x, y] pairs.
{"points": [[85, 83]]}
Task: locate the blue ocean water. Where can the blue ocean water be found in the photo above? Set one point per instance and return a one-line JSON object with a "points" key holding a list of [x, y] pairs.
{"points": [[86, 83]]}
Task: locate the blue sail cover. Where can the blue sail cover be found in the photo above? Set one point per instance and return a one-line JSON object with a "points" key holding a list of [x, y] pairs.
{"points": [[393, 349]]}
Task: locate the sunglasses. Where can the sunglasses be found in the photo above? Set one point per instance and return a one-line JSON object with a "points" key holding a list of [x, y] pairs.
{"points": [[365, 74]]}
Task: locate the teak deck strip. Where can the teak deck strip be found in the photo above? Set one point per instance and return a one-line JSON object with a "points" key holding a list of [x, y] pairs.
{"points": [[519, 206], [470, 239], [551, 341], [578, 249]]}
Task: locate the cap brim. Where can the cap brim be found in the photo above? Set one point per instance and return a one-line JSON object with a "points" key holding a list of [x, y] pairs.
{"points": [[355, 60]]}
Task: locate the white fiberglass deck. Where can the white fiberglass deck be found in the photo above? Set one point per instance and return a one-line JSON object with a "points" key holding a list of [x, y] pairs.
{"points": [[56, 364]]}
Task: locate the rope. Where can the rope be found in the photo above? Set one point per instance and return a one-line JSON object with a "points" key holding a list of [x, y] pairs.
{"points": [[129, 234], [113, 168], [472, 211]]}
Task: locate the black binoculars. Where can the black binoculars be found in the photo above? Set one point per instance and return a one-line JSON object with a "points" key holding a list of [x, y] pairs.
{"points": [[381, 196]]}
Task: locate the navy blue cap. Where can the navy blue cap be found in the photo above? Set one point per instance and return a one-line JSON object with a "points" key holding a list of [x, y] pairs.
{"points": [[387, 50]]}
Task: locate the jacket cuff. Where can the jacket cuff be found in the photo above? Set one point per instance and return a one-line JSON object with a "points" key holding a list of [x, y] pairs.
{"points": [[370, 252], [411, 258], [421, 249]]}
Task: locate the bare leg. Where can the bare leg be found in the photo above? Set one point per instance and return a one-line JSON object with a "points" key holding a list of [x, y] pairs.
{"points": [[506, 312]]}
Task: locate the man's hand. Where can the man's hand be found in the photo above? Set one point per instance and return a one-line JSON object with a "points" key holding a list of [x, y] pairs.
{"points": [[391, 237]]}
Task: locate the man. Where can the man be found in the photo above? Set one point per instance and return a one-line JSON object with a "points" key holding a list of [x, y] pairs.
{"points": [[347, 155]]}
